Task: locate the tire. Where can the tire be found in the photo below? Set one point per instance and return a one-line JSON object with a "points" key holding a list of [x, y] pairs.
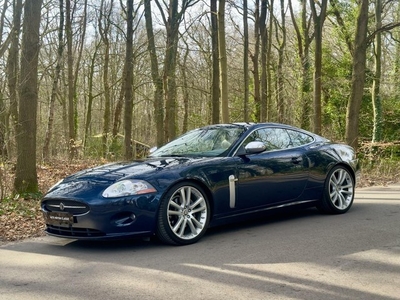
{"points": [[338, 195], [184, 215]]}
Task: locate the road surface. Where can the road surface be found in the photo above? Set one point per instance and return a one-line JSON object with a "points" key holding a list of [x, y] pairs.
{"points": [[303, 255]]}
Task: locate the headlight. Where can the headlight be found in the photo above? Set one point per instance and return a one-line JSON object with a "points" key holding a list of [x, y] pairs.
{"points": [[128, 188]]}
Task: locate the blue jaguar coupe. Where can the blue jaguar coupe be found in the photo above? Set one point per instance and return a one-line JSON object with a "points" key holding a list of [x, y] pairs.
{"points": [[207, 177]]}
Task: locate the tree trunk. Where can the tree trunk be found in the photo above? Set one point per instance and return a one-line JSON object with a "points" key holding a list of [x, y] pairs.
{"points": [[91, 97], [71, 90], [268, 63], [223, 62], [282, 45], [172, 23], [264, 62], [118, 111], [303, 46], [358, 76], [13, 66], [25, 175], [245, 63], [54, 90], [104, 30], [2, 18], [3, 128], [155, 74], [215, 88], [172, 27], [396, 67], [185, 91], [319, 20], [255, 61], [376, 97], [128, 82], [3, 110]]}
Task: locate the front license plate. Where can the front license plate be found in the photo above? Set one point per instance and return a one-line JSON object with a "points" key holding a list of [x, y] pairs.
{"points": [[58, 218]]}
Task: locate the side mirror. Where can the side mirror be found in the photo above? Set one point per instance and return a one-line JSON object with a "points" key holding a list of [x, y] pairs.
{"points": [[255, 147], [251, 148]]}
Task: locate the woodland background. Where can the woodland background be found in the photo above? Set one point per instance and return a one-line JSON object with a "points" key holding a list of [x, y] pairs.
{"points": [[103, 80]]}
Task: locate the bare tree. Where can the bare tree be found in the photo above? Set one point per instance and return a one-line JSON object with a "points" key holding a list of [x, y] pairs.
{"points": [[3, 109], [172, 22], [13, 65], [54, 91], [376, 83], [396, 66], [280, 76], [74, 50], [185, 88], [155, 74], [245, 62], [264, 62], [255, 60], [3, 45], [91, 95], [71, 90], [128, 81], [25, 175], [303, 48], [215, 86], [269, 63], [319, 19], [104, 30], [358, 76], [223, 62]]}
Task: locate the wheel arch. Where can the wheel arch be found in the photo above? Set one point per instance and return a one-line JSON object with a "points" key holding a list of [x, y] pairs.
{"points": [[327, 203], [200, 183], [347, 167]]}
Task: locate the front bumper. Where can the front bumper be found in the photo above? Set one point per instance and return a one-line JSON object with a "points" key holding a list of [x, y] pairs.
{"points": [[104, 219]]}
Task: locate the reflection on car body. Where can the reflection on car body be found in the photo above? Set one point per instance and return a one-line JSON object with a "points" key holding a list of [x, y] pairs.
{"points": [[206, 177]]}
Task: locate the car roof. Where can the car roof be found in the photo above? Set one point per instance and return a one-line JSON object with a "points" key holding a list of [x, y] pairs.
{"points": [[248, 125], [252, 125]]}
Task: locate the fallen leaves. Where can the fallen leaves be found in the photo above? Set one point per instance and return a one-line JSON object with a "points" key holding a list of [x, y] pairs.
{"points": [[15, 226], [21, 218]]}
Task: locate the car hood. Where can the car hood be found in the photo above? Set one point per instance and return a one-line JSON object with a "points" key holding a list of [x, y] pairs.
{"points": [[134, 169]]}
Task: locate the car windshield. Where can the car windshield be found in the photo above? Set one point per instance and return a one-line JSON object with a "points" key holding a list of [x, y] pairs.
{"points": [[207, 141]]}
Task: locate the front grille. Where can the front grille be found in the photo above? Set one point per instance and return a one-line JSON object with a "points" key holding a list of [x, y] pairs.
{"points": [[70, 206], [74, 232]]}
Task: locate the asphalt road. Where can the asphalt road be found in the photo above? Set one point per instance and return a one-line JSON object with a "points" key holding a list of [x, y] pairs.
{"points": [[301, 255]]}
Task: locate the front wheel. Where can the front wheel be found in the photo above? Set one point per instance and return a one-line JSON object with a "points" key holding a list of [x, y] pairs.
{"points": [[338, 191], [184, 215]]}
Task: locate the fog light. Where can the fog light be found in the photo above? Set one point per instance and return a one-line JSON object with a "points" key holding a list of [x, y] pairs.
{"points": [[124, 219]]}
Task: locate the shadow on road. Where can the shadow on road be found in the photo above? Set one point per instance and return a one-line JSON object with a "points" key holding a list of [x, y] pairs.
{"points": [[293, 254]]}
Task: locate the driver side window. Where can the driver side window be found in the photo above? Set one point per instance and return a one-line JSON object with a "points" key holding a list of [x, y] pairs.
{"points": [[273, 138]]}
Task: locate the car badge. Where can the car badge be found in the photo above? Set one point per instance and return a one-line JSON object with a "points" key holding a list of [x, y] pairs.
{"points": [[62, 206]]}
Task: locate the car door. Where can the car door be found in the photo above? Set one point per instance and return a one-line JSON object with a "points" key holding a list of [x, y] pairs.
{"points": [[277, 175]]}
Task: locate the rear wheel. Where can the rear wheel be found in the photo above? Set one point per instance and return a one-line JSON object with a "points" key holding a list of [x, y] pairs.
{"points": [[184, 215], [338, 191]]}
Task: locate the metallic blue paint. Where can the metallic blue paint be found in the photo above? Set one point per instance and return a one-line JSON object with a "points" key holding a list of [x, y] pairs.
{"points": [[265, 181]]}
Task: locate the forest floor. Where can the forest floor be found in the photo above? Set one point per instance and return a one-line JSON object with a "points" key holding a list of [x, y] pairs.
{"points": [[21, 217]]}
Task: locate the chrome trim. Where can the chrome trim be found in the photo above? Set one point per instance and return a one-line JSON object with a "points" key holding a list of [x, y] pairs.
{"points": [[232, 191], [65, 206], [275, 125], [268, 208]]}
